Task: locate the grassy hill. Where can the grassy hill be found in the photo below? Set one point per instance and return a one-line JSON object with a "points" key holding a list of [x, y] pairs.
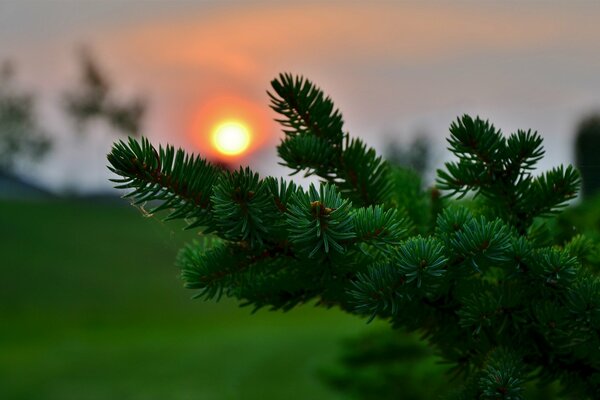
{"points": [[92, 308]]}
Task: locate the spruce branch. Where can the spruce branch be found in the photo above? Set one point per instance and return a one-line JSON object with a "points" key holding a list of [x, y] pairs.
{"points": [[500, 170], [213, 273], [181, 182], [320, 221], [422, 261], [380, 228], [502, 376], [306, 110], [551, 191], [488, 286], [283, 287], [479, 311], [581, 247], [583, 304], [243, 207], [476, 141], [379, 291], [480, 242], [523, 151], [281, 191], [310, 153], [315, 141], [362, 175], [554, 268]]}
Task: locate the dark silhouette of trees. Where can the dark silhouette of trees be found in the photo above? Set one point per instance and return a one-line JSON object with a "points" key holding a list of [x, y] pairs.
{"points": [[416, 156], [94, 98], [21, 136], [587, 153]]}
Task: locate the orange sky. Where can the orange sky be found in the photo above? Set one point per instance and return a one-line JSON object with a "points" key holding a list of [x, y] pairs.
{"points": [[390, 67]]}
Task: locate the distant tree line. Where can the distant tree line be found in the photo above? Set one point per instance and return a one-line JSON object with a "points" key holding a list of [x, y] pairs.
{"points": [[23, 137], [416, 155], [21, 134], [587, 153]]}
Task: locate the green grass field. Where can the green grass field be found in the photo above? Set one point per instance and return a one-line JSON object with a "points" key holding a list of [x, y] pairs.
{"points": [[91, 307]]}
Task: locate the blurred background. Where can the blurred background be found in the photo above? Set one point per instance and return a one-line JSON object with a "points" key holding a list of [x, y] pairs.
{"points": [[90, 303]]}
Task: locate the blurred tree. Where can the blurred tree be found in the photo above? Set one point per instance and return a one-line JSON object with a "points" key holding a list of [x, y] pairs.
{"points": [[94, 99], [20, 133], [387, 364], [587, 153], [415, 156]]}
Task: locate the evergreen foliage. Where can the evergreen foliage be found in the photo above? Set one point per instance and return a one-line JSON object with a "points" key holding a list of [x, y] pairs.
{"points": [[493, 297]]}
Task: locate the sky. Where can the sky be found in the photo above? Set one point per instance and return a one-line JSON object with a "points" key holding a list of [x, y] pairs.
{"points": [[393, 69]]}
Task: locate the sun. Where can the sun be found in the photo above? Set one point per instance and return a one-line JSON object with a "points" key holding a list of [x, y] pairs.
{"points": [[231, 138], [229, 128]]}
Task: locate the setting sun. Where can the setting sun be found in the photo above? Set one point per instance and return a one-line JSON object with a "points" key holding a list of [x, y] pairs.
{"points": [[229, 128], [231, 138]]}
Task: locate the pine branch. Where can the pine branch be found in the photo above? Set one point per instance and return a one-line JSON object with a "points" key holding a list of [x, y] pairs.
{"points": [[480, 242], [182, 183], [213, 273], [500, 170], [306, 110], [476, 141], [379, 291], [523, 151], [422, 261], [551, 191], [310, 153], [492, 291], [315, 142], [243, 208], [362, 175], [380, 228], [502, 376], [320, 221]]}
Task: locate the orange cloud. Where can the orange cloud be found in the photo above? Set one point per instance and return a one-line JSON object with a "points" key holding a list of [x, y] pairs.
{"points": [[244, 40], [201, 54]]}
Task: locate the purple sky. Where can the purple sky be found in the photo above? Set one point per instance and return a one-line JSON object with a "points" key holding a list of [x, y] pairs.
{"points": [[391, 67]]}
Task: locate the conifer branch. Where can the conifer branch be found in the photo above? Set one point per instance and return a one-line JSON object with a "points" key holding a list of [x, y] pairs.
{"points": [[315, 142], [380, 228], [306, 110], [500, 170], [183, 183], [243, 207], [485, 285], [320, 221]]}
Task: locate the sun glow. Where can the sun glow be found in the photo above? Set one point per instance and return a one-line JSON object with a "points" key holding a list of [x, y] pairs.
{"points": [[229, 128], [231, 138]]}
